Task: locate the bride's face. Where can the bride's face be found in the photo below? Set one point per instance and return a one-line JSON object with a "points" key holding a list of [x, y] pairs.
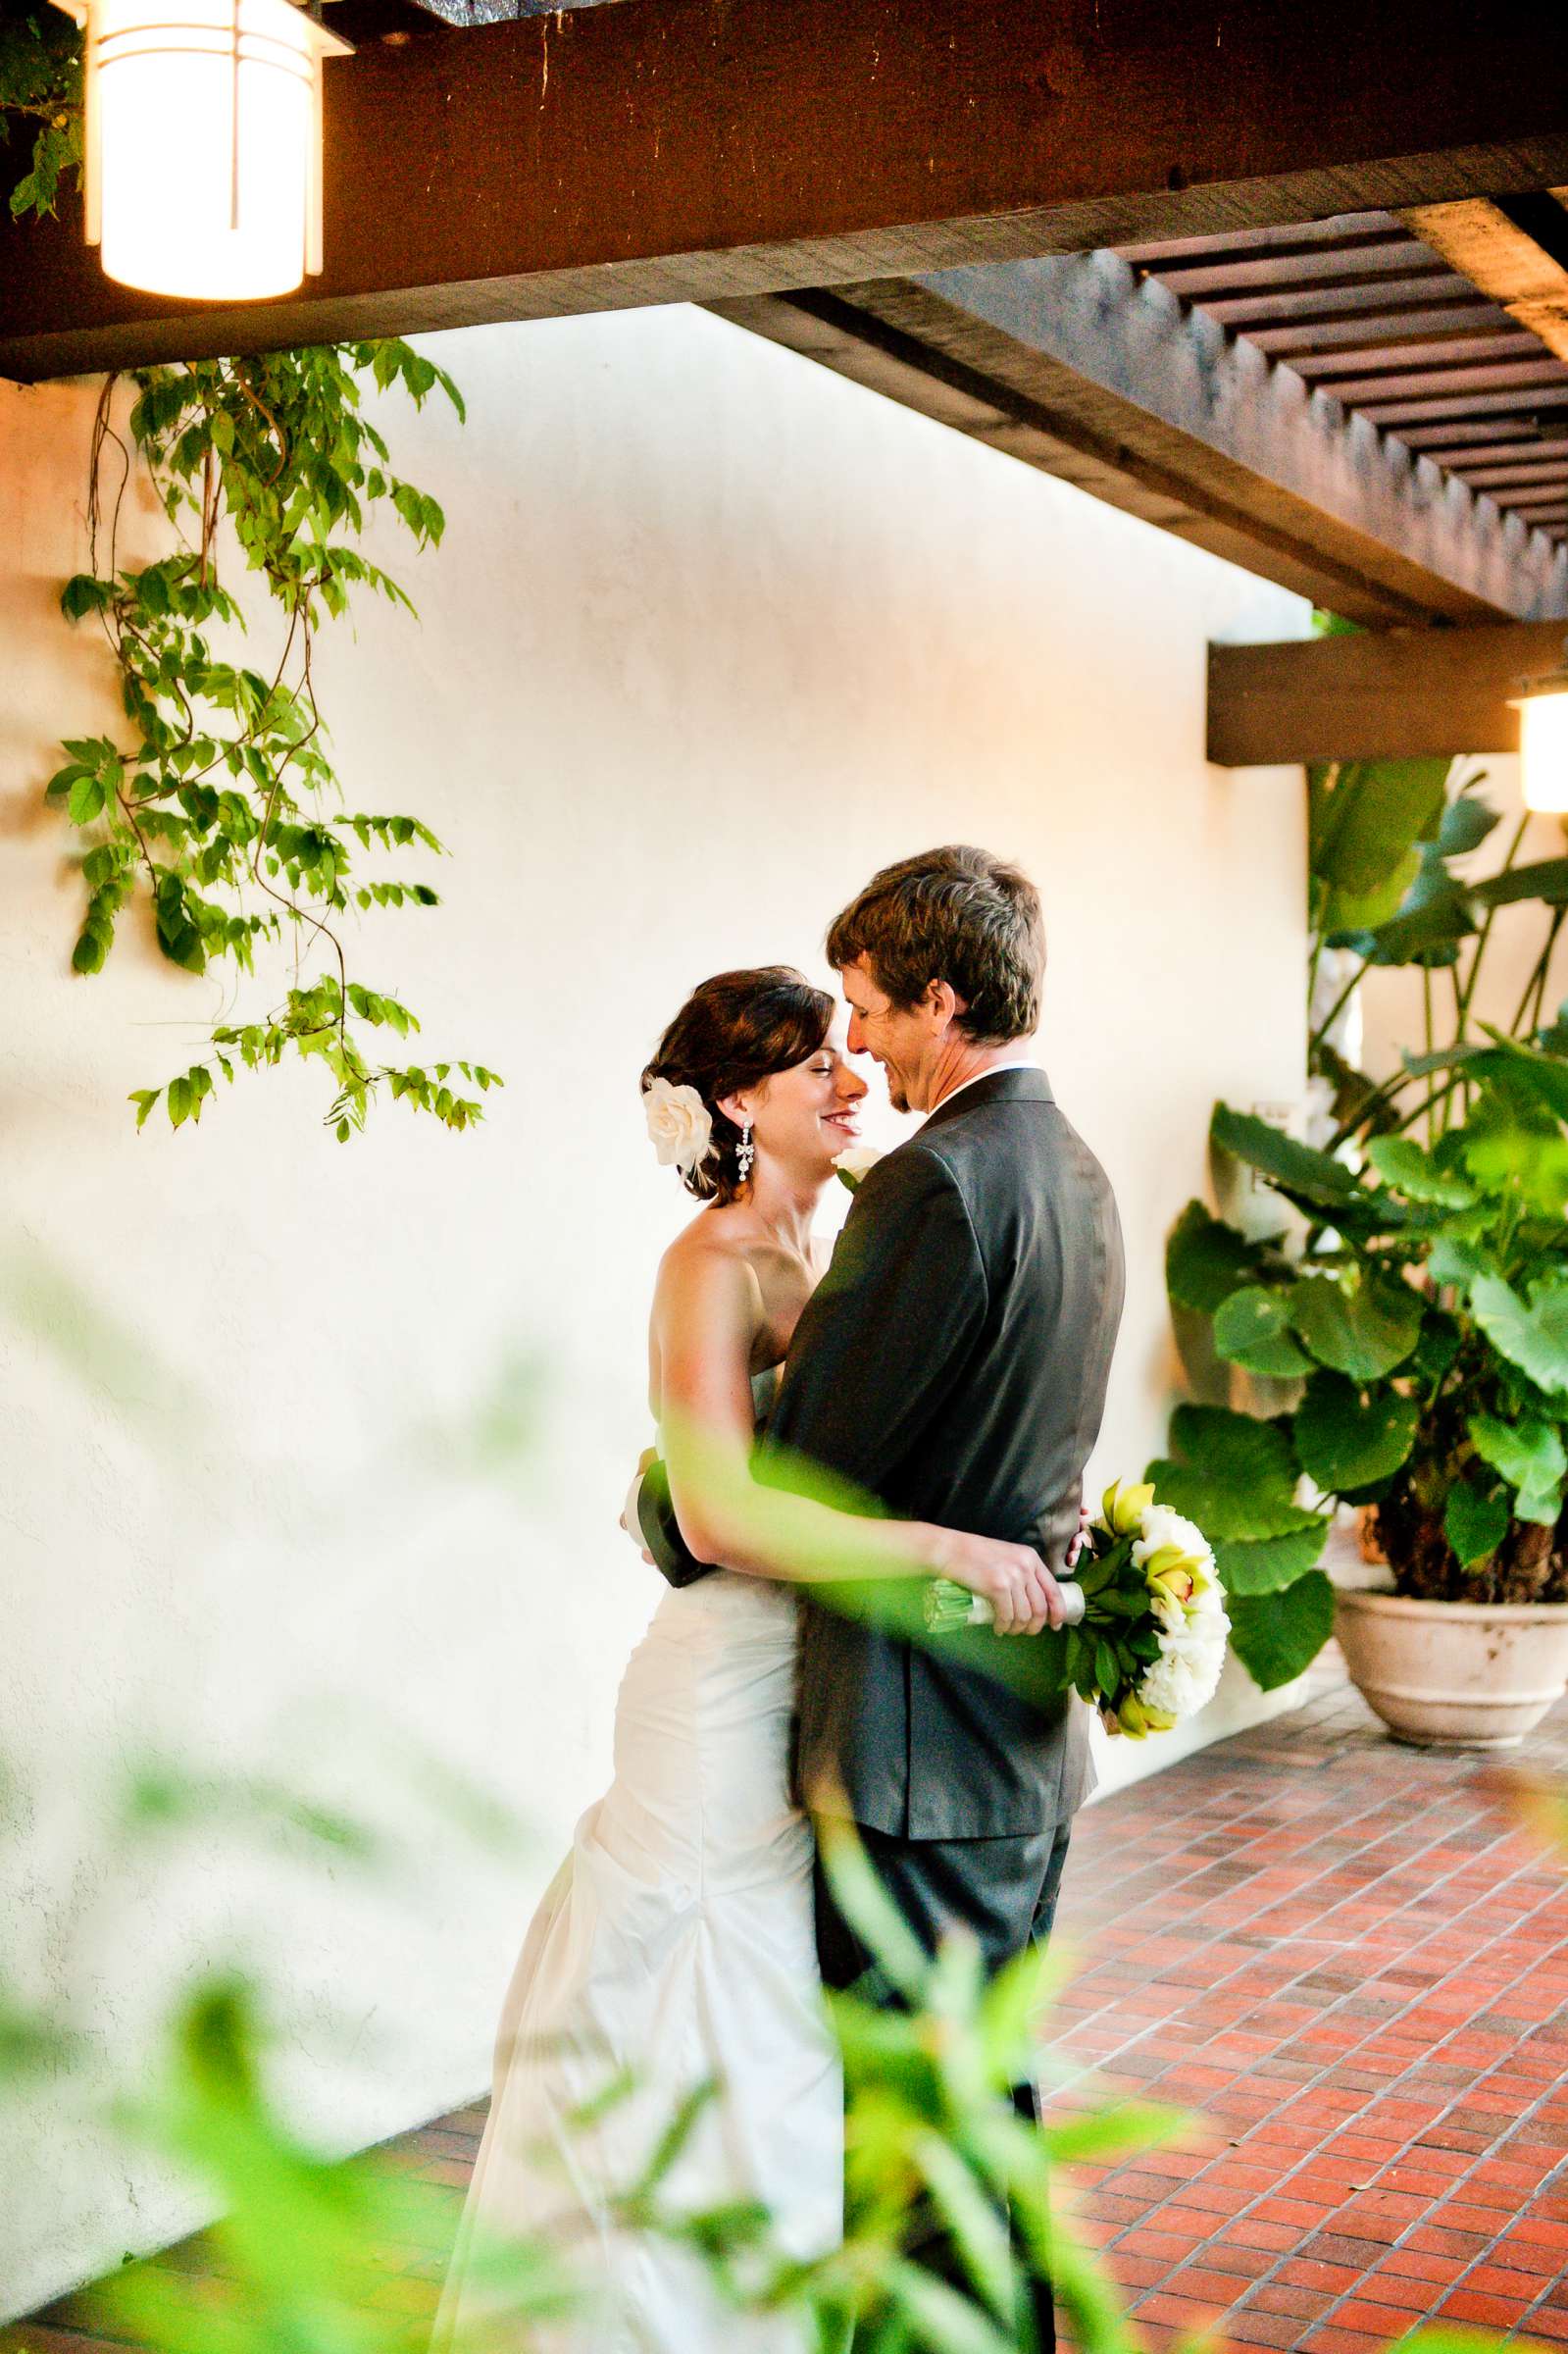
{"points": [[806, 1116]]}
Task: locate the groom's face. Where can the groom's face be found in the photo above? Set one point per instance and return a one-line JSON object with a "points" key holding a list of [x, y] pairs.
{"points": [[901, 1038]]}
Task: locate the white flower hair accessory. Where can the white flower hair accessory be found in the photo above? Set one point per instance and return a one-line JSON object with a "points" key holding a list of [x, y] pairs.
{"points": [[679, 1125]]}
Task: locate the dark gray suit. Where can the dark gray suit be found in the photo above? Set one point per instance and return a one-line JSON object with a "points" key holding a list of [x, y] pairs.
{"points": [[953, 1362]]}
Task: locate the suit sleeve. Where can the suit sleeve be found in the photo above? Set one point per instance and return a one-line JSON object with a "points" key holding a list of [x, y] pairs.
{"points": [[886, 1334]]}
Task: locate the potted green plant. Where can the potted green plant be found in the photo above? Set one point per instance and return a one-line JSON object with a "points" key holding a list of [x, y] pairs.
{"points": [[1407, 1316]]}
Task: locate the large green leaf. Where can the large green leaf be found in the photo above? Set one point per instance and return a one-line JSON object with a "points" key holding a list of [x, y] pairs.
{"points": [[1265, 1148], [1404, 1165], [1278, 1636], [1531, 1458], [1514, 1147], [1205, 1261], [1531, 1069], [1364, 1329], [1239, 1447], [1533, 1335], [1274, 1562], [1234, 1474], [1428, 933], [1466, 822], [1252, 1329], [1349, 1438], [1367, 817], [1547, 880], [1473, 1522]]}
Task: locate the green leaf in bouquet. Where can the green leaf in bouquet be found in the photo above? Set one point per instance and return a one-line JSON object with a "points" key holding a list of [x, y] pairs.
{"points": [[1364, 1329], [1349, 1437], [1205, 1261], [1531, 1458], [1107, 1670], [1273, 1563], [1405, 1165], [1531, 1334], [1475, 1523], [1252, 1329], [1299, 1168], [1278, 1636]]}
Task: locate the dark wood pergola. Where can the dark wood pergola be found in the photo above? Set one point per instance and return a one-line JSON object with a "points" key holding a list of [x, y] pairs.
{"points": [[1292, 284]]}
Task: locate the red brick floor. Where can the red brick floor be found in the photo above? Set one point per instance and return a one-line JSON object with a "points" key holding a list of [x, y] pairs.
{"points": [[1352, 1962]]}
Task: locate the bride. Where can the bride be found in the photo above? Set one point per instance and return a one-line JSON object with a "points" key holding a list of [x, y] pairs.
{"points": [[675, 1946]]}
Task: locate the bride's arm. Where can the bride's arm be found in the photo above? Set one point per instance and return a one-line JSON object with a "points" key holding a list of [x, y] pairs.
{"points": [[706, 1313]]}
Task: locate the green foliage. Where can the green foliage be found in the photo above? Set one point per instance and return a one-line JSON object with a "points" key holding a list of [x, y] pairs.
{"points": [[1420, 1299], [298, 2255], [40, 83], [1428, 1303], [219, 808]]}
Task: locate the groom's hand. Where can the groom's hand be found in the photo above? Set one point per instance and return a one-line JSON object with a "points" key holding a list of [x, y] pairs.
{"points": [[1024, 1597]]}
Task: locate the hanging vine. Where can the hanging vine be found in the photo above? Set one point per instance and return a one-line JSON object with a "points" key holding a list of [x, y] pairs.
{"points": [[219, 805]]}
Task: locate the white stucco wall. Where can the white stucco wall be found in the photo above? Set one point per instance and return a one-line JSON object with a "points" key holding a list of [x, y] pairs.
{"points": [[711, 635]]}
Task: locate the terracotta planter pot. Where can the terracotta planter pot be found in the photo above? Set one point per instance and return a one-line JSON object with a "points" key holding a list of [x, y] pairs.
{"points": [[1454, 1674]]}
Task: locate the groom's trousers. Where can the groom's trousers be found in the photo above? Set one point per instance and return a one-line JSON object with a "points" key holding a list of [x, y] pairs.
{"points": [[1003, 1891]]}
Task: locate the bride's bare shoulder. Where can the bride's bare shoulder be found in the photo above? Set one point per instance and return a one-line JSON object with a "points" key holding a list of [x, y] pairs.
{"points": [[711, 1251]]}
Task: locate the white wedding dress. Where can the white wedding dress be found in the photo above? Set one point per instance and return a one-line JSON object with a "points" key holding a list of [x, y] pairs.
{"points": [[675, 1942]]}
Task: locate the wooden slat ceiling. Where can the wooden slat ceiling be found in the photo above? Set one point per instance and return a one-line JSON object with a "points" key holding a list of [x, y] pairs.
{"points": [[1372, 317]]}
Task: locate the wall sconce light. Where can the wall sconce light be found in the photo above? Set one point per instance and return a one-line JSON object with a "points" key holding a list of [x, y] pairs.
{"points": [[203, 143], [1542, 707]]}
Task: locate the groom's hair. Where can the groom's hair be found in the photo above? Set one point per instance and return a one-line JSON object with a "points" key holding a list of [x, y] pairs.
{"points": [[958, 915]]}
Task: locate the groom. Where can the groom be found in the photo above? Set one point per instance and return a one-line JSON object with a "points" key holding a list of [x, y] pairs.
{"points": [[953, 1362]]}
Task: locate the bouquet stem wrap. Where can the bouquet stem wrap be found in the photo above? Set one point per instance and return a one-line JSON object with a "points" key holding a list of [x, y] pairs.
{"points": [[1147, 1640]]}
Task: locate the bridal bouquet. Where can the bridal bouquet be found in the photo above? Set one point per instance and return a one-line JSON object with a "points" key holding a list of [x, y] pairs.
{"points": [[1149, 1640]]}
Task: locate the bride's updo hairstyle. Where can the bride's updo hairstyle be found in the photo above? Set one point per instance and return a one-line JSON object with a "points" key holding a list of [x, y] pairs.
{"points": [[732, 1033]]}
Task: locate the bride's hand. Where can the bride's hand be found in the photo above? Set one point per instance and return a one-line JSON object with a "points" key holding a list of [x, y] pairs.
{"points": [[1023, 1594]]}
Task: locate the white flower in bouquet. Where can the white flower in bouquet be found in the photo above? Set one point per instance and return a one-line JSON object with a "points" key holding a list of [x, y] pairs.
{"points": [[855, 1163], [679, 1125], [1190, 1620], [1152, 1573]]}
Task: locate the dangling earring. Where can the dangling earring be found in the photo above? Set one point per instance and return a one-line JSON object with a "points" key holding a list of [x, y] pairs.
{"points": [[745, 1153]]}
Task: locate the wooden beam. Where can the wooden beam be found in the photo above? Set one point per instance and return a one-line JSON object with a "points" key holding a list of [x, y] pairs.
{"points": [[679, 150], [1076, 366], [1388, 695], [1504, 258]]}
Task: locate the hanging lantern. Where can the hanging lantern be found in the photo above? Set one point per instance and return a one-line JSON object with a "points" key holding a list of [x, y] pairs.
{"points": [[1542, 707], [203, 143]]}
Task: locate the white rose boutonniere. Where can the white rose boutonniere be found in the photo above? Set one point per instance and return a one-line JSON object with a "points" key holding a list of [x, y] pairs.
{"points": [[679, 1125], [854, 1164]]}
